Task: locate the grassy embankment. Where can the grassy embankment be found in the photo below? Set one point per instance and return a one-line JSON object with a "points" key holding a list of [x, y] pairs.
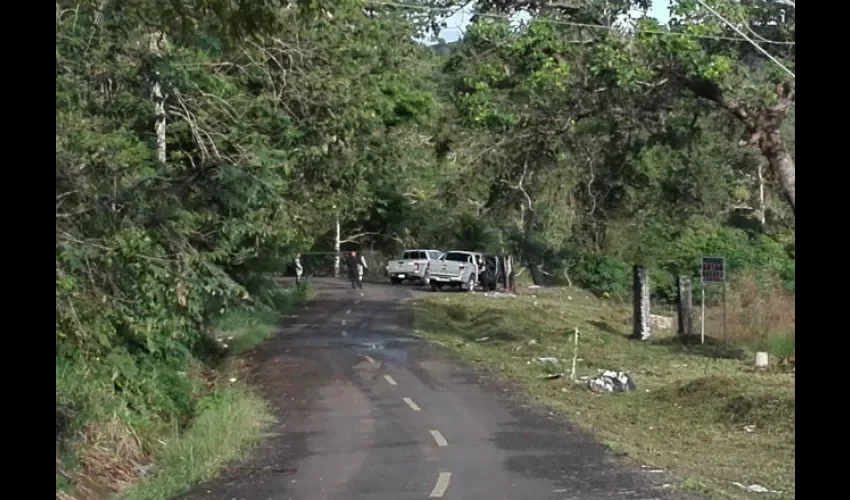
{"points": [[132, 456], [701, 412]]}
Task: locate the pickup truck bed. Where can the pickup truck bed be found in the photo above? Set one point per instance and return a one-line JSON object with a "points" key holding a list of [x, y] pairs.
{"points": [[412, 265], [454, 269]]}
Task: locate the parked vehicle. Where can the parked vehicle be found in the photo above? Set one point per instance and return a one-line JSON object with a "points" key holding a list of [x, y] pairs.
{"points": [[467, 271], [457, 268], [411, 266]]}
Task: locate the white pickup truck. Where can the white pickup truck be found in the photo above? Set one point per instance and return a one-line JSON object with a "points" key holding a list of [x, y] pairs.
{"points": [[456, 268], [411, 266]]}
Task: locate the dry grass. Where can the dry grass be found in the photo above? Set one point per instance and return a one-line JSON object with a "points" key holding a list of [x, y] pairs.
{"points": [[111, 458], [759, 315], [701, 411], [138, 456], [230, 422]]}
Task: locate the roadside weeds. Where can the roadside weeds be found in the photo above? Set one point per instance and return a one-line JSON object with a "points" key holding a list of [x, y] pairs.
{"points": [[231, 418], [136, 456], [231, 421]]}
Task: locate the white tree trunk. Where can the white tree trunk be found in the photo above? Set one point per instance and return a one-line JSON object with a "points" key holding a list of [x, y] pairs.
{"points": [[159, 112], [762, 210], [337, 247], [157, 41]]}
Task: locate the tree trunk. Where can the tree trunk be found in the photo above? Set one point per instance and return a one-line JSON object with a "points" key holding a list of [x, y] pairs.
{"points": [[157, 42], [529, 256], [763, 129], [762, 209], [526, 210], [772, 146]]}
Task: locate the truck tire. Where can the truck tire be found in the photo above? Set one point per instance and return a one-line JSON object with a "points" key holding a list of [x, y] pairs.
{"points": [[470, 286], [395, 281]]}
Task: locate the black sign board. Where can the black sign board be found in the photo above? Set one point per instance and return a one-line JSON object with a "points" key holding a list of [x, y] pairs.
{"points": [[713, 269]]}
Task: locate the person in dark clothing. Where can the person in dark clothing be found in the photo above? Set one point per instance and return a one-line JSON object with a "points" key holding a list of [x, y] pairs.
{"points": [[355, 264], [485, 276]]}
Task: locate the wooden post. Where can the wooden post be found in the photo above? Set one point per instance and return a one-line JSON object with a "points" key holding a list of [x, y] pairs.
{"points": [[640, 291], [509, 274], [337, 246], [575, 355], [686, 306], [702, 318], [513, 276], [725, 338]]}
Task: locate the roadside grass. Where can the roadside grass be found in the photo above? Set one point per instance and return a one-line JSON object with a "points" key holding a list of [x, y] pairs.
{"points": [[701, 412], [229, 421], [133, 452], [231, 418], [242, 329]]}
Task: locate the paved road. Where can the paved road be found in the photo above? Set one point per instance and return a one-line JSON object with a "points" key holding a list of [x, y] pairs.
{"points": [[365, 411]]}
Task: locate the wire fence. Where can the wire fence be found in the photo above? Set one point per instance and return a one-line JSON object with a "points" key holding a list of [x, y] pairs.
{"points": [[329, 264], [752, 308]]}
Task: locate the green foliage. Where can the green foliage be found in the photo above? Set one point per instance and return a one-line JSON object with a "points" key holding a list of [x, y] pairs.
{"points": [[572, 153], [779, 344], [265, 138], [227, 422], [603, 275], [741, 250]]}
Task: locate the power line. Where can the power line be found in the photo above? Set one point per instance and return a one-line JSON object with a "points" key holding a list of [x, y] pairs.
{"points": [[759, 37], [745, 37], [763, 39], [788, 3], [580, 25]]}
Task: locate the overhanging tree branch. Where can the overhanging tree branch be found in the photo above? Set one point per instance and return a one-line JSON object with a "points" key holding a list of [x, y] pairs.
{"points": [[355, 237]]}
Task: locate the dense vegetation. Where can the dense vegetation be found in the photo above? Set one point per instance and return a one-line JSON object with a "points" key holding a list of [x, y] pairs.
{"points": [[200, 145]]}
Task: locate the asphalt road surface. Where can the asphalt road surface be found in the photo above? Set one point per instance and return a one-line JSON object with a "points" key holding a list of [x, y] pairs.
{"points": [[365, 411]]}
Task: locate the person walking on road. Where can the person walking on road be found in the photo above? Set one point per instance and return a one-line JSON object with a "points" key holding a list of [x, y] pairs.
{"points": [[299, 270], [355, 264]]}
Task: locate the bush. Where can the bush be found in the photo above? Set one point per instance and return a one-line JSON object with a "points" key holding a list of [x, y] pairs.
{"points": [[601, 274], [663, 285], [741, 251]]}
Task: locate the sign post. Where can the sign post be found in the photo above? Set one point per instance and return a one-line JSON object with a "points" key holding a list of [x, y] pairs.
{"points": [[713, 271]]}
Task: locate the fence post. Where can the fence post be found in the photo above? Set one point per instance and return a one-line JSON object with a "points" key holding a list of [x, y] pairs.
{"points": [[510, 278], [640, 294], [686, 306]]}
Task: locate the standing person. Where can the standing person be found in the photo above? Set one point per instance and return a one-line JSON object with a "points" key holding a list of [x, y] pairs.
{"points": [[485, 277], [355, 264], [299, 271]]}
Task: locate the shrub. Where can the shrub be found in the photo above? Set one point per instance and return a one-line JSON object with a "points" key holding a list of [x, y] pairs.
{"points": [[601, 274]]}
